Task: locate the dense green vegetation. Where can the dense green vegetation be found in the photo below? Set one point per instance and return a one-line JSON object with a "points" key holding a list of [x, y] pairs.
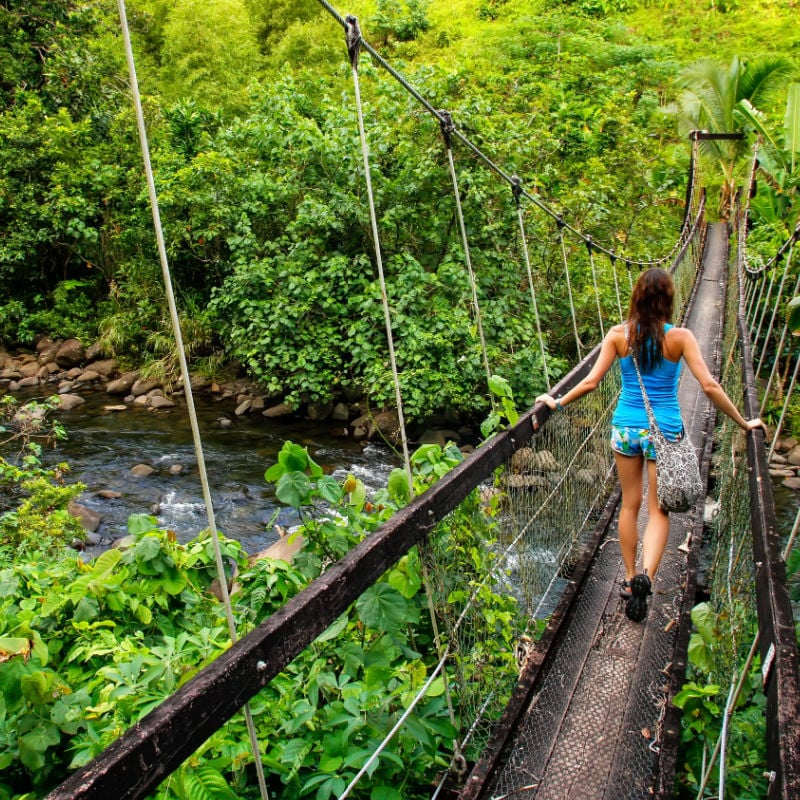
{"points": [[252, 129], [255, 150]]}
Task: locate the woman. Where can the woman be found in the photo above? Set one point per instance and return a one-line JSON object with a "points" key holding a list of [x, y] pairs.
{"points": [[659, 347]]}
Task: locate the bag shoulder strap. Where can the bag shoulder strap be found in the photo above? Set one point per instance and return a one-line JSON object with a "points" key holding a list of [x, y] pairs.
{"points": [[651, 417]]}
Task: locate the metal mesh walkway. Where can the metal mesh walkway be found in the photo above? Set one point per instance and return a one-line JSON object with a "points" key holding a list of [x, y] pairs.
{"points": [[593, 727]]}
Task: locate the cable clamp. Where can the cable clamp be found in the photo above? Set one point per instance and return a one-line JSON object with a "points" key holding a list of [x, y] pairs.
{"points": [[352, 34], [447, 126], [516, 188]]}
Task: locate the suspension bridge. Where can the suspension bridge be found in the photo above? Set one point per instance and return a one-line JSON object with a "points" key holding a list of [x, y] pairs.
{"points": [[583, 706]]}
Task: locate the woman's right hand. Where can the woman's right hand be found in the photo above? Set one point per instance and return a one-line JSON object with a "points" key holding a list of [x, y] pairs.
{"points": [[548, 400]]}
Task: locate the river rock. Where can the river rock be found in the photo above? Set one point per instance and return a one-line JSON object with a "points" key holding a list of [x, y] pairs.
{"points": [[785, 445], [94, 352], [280, 410], [106, 367], [175, 469], [70, 354], [386, 423], [30, 369], [109, 494], [66, 402], [158, 401], [244, 406], [122, 384], [340, 413], [88, 376], [142, 470], [33, 380], [88, 518], [544, 460], [791, 483], [141, 387], [110, 409], [794, 457], [319, 411]]}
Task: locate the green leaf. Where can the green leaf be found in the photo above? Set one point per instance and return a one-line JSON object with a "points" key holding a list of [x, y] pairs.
{"points": [[330, 489], [500, 386], [382, 608], [141, 523], [34, 745], [704, 619], [294, 489], [700, 654], [398, 486]]}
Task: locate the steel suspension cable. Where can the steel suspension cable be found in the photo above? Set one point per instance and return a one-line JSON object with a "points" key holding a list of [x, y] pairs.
{"points": [[778, 299], [447, 130], [184, 369], [616, 285], [516, 190], [596, 288], [569, 289], [478, 153], [354, 41]]}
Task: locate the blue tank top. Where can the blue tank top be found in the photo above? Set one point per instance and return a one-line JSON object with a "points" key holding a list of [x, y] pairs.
{"points": [[661, 385]]}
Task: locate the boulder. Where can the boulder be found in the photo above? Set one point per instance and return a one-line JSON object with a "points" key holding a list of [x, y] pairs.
{"points": [[280, 410], [107, 367], [791, 483], [340, 412], [88, 518], [70, 354], [94, 352], [122, 384], [30, 369], [142, 470], [244, 406], [109, 494], [140, 387], [66, 402], [158, 401], [320, 411], [88, 376]]}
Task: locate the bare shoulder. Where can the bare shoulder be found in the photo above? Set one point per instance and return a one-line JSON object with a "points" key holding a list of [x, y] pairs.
{"points": [[677, 340]]}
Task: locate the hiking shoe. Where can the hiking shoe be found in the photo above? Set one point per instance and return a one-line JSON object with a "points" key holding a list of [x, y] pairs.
{"points": [[625, 590], [636, 607]]}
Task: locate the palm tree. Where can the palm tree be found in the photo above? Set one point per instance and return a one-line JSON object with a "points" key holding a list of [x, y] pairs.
{"points": [[712, 95]]}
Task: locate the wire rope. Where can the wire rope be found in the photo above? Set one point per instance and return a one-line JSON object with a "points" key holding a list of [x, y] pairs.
{"points": [[447, 130], [354, 41], [778, 297], [778, 355], [176, 328], [596, 288], [478, 153], [569, 289], [516, 188], [616, 285]]}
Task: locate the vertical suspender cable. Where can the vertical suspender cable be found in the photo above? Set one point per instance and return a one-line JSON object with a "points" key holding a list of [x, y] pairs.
{"points": [[778, 298], [765, 307], [560, 223], [596, 288], [198, 446], [353, 37], [447, 126], [785, 408], [616, 284], [516, 188]]}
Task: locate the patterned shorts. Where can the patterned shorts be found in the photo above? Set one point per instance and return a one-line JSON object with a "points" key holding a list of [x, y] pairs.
{"points": [[634, 442]]}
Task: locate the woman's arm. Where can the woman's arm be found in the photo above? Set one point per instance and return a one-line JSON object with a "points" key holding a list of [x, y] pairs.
{"points": [[690, 350], [608, 352]]}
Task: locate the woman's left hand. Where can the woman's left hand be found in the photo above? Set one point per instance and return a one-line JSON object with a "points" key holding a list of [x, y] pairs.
{"points": [[752, 424], [548, 400]]}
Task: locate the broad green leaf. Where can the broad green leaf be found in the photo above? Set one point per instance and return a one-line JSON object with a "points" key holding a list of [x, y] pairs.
{"points": [[141, 523], [704, 619], [330, 489], [398, 485], [791, 123], [34, 745], [334, 629], [700, 654], [500, 386], [13, 646], [293, 489], [382, 608]]}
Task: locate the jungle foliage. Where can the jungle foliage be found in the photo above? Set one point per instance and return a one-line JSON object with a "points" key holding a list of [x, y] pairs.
{"points": [[258, 170]]}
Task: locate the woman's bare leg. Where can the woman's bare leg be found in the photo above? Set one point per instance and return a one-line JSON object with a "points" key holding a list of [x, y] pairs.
{"points": [[657, 531], [629, 470]]}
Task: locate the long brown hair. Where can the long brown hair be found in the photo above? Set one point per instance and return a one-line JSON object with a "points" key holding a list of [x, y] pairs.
{"points": [[651, 306]]}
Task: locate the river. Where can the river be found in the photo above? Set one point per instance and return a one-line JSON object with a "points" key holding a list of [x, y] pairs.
{"points": [[102, 447]]}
